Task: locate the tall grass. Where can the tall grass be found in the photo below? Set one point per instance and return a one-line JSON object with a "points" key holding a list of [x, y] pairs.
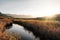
{"points": [[46, 30]]}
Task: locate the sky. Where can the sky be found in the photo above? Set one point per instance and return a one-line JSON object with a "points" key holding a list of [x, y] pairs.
{"points": [[36, 8]]}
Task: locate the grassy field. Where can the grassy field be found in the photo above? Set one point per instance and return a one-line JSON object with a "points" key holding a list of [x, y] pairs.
{"points": [[6, 23], [46, 30]]}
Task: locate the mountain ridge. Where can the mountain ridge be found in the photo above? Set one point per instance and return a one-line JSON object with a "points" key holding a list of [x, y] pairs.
{"points": [[20, 16]]}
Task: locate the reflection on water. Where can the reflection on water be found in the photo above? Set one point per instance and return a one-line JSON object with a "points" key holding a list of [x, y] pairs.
{"points": [[25, 34]]}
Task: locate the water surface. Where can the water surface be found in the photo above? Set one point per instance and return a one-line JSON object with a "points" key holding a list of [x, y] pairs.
{"points": [[25, 34]]}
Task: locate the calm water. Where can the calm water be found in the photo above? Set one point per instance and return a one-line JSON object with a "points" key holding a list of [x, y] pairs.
{"points": [[25, 34]]}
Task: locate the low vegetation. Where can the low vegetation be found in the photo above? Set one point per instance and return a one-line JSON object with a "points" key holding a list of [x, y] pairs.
{"points": [[46, 30], [6, 23]]}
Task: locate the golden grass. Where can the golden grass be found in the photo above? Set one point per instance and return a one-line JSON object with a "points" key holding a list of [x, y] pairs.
{"points": [[46, 24], [45, 29], [3, 35]]}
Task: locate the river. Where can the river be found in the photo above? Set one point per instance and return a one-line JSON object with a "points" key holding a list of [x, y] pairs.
{"points": [[25, 34]]}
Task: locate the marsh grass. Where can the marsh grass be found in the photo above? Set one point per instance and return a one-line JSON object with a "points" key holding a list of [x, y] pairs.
{"points": [[46, 30]]}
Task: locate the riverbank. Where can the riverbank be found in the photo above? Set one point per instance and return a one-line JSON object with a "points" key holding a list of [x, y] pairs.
{"points": [[46, 30], [6, 23]]}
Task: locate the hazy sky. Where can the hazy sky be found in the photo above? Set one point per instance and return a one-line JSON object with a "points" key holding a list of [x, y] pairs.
{"points": [[30, 7]]}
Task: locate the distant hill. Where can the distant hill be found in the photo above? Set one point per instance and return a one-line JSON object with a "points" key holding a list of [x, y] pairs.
{"points": [[53, 17], [40, 18], [14, 15], [19, 16], [3, 15]]}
